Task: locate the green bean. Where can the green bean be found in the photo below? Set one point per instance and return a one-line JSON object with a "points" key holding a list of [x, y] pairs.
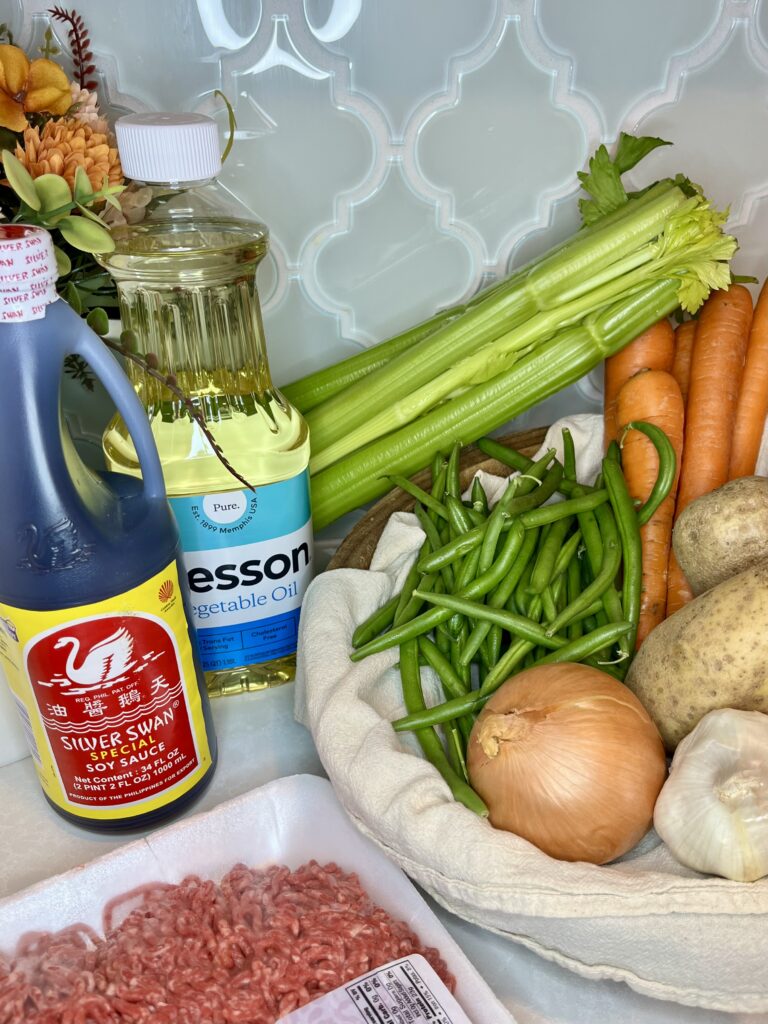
{"points": [[490, 542], [523, 598], [410, 582], [543, 569], [604, 578], [613, 453], [515, 624], [458, 515], [667, 467], [518, 461], [414, 604], [479, 587], [566, 554], [513, 655], [491, 646], [569, 456], [560, 509], [500, 518], [479, 497], [455, 747], [419, 494], [573, 583], [586, 613], [454, 549], [590, 527], [452, 682], [443, 644], [464, 576], [501, 594], [475, 517], [375, 623], [458, 547], [433, 536], [439, 471], [525, 502], [413, 699], [444, 712], [453, 478], [586, 645], [631, 546], [548, 604], [463, 671], [612, 608]]}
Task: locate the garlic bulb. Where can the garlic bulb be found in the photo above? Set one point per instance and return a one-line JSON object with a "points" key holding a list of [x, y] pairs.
{"points": [[713, 810]]}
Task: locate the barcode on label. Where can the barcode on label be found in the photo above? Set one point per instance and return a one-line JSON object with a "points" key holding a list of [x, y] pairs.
{"points": [[28, 733], [405, 991]]}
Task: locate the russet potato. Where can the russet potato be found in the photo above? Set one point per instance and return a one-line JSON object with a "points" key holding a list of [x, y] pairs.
{"points": [[723, 532], [713, 653]]}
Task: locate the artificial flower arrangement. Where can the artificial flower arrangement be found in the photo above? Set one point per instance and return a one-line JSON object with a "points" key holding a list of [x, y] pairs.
{"points": [[60, 162]]}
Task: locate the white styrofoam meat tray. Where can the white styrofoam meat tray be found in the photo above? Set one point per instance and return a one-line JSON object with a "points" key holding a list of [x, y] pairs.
{"points": [[289, 821]]}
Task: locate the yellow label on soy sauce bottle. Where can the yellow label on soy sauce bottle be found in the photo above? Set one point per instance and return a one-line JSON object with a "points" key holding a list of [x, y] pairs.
{"points": [[109, 699]]}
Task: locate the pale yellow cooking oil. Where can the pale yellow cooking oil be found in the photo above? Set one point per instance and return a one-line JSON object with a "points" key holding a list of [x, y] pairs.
{"points": [[188, 302]]}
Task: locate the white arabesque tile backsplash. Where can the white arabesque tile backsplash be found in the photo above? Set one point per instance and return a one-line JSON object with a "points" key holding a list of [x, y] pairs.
{"points": [[406, 152]]}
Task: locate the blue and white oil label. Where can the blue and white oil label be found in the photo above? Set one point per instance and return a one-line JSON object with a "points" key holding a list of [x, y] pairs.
{"points": [[248, 557]]}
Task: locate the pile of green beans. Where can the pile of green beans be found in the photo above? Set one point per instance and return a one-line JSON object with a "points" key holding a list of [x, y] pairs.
{"points": [[495, 590]]}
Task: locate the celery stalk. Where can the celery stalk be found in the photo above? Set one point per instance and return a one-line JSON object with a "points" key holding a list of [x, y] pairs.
{"points": [[677, 250], [315, 388], [308, 392], [610, 242], [555, 364]]}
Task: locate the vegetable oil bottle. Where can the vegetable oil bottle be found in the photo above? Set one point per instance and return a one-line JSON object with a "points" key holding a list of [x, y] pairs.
{"points": [[94, 636], [185, 276]]}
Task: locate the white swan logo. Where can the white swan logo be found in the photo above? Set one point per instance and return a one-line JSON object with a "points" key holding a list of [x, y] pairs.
{"points": [[104, 664]]}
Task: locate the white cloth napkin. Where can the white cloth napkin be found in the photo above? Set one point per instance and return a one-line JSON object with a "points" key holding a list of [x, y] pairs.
{"points": [[646, 920]]}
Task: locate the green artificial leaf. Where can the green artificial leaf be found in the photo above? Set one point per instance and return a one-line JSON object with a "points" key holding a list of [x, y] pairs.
{"points": [[82, 233], [72, 296], [90, 214], [20, 180], [631, 150], [8, 139], [63, 262], [232, 124], [54, 195], [98, 321], [82, 185]]}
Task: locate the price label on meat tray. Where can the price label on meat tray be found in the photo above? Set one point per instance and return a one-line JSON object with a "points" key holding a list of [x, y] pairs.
{"points": [[405, 991]]}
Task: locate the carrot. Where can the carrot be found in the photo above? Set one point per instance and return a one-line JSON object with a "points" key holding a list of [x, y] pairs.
{"points": [[717, 365], [653, 396], [651, 350], [752, 403], [681, 365]]}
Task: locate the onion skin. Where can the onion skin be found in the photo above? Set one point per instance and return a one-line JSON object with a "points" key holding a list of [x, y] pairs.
{"points": [[567, 757]]}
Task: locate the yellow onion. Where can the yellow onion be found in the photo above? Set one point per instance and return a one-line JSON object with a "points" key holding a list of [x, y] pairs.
{"points": [[567, 757]]}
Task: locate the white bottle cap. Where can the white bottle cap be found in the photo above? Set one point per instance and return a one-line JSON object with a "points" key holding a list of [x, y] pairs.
{"points": [[168, 148], [28, 272]]}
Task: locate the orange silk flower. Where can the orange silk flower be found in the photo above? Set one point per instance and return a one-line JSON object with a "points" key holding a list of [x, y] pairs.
{"points": [[29, 88]]}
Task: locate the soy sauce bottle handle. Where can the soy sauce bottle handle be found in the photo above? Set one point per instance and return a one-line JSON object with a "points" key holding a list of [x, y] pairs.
{"points": [[106, 367]]}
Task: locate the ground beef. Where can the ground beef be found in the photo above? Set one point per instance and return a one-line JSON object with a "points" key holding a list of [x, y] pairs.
{"points": [[247, 950]]}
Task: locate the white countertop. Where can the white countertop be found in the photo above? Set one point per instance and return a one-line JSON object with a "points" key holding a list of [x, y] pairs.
{"points": [[259, 741]]}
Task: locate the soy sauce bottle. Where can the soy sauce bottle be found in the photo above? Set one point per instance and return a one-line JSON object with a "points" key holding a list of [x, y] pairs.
{"points": [[94, 636]]}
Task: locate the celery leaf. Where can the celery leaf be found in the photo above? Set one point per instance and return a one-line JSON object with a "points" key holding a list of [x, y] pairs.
{"points": [[603, 180], [603, 184], [631, 150]]}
